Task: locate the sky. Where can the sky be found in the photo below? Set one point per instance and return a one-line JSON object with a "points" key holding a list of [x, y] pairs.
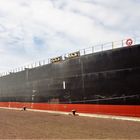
{"points": [[33, 30]]}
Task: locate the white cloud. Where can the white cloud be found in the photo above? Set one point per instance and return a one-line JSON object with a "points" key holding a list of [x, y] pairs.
{"points": [[31, 30]]}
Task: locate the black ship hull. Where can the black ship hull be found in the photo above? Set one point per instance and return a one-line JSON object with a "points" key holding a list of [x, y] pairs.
{"points": [[106, 82]]}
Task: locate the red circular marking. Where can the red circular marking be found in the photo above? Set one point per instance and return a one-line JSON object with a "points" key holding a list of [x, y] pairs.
{"points": [[129, 42]]}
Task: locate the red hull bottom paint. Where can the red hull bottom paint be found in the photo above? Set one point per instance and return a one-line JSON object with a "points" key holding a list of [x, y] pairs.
{"points": [[120, 110]]}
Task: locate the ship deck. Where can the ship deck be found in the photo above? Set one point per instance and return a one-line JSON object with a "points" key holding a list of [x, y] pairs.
{"points": [[17, 124]]}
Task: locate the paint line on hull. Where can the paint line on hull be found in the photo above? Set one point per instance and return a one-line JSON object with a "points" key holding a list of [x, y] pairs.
{"points": [[82, 114], [114, 110]]}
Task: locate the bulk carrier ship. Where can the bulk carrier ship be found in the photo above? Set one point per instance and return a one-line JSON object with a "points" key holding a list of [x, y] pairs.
{"points": [[104, 82]]}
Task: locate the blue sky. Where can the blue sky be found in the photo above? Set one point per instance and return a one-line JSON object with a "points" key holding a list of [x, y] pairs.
{"points": [[32, 30]]}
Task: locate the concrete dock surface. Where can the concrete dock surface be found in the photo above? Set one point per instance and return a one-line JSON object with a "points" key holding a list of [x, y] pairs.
{"points": [[17, 124]]}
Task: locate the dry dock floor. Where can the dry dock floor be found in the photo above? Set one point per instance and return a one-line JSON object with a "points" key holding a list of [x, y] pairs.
{"points": [[15, 124]]}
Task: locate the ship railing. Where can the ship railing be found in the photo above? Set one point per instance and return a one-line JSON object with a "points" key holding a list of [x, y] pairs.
{"points": [[110, 45], [93, 49]]}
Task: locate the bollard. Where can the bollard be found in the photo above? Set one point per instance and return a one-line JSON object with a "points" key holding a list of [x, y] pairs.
{"points": [[24, 108], [73, 112]]}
